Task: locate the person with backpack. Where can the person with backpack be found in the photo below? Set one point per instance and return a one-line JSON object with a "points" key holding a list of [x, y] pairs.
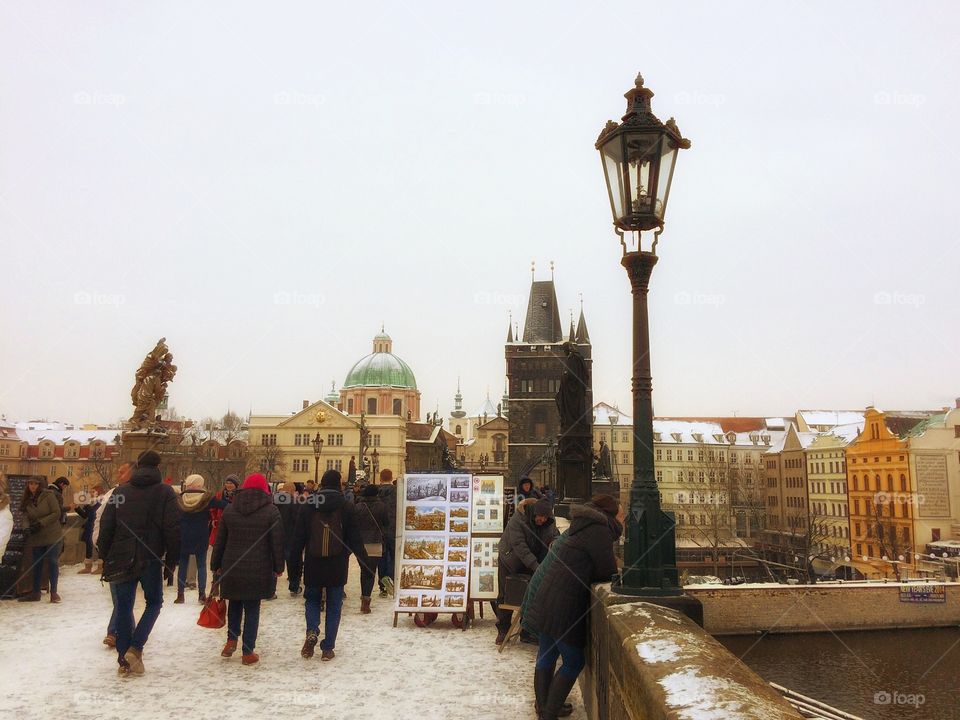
{"points": [[139, 539], [325, 536], [248, 555], [372, 519]]}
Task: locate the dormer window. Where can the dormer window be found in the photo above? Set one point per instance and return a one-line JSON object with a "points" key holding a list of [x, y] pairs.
{"points": [[698, 437], [754, 438], [766, 439], [656, 437], [719, 438], [675, 436]]}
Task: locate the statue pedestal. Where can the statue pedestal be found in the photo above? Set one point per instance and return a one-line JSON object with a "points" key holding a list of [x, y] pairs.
{"points": [[574, 468], [135, 442]]}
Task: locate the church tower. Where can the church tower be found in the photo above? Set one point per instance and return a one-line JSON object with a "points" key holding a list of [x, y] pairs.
{"points": [[534, 368]]}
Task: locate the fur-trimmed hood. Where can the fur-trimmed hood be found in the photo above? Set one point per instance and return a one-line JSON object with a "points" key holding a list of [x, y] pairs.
{"points": [[192, 501]]}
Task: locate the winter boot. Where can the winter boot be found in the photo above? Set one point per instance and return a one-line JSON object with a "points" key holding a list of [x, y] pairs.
{"points": [[308, 645], [365, 605], [501, 636], [87, 568], [179, 600], [203, 597], [134, 659], [110, 641], [541, 688], [560, 687], [29, 597], [229, 649], [327, 655], [123, 669], [54, 598], [251, 659]]}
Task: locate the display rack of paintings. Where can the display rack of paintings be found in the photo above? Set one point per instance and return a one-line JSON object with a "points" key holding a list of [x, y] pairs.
{"points": [[433, 554], [487, 504]]}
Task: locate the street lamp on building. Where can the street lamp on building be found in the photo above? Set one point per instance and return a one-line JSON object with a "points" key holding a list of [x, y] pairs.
{"points": [[638, 156], [317, 449]]}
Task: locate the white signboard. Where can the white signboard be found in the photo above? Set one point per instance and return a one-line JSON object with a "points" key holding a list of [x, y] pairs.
{"points": [[487, 504]]}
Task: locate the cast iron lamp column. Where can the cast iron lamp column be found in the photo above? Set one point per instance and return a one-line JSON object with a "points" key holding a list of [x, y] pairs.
{"points": [[317, 449], [638, 157]]}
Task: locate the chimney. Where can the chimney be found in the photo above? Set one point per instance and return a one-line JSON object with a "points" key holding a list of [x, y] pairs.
{"points": [[306, 404]]}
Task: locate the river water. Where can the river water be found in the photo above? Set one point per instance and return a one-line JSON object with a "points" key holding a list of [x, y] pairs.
{"points": [[890, 674]]}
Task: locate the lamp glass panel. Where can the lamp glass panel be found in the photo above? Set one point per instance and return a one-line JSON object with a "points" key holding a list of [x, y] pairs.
{"points": [[612, 156], [642, 155], [667, 161]]}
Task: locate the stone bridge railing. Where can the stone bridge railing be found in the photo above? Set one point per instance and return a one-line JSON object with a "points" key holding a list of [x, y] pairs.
{"points": [[650, 663]]}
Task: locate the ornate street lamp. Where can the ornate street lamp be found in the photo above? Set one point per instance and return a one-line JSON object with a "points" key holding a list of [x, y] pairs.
{"points": [[638, 157], [317, 449]]}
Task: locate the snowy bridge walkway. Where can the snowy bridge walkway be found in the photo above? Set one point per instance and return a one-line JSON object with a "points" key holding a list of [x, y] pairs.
{"points": [[54, 666]]}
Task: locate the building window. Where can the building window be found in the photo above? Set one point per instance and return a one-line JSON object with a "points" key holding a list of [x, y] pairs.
{"points": [[659, 453], [268, 439], [375, 441], [903, 483], [397, 406], [371, 406], [349, 406], [626, 458]]}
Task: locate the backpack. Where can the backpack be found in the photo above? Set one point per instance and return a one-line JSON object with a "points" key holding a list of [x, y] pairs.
{"points": [[326, 534]]}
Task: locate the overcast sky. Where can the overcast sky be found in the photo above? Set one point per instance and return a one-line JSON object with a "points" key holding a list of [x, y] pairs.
{"points": [[265, 183]]}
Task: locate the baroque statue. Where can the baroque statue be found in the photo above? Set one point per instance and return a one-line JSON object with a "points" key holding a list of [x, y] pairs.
{"points": [[150, 387], [572, 396]]}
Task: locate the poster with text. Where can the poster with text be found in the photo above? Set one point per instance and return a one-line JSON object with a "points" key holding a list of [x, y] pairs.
{"points": [[488, 503], [433, 560]]}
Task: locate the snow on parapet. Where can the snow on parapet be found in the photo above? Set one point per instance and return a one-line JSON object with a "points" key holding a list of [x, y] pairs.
{"points": [[657, 651], [696, 697]]}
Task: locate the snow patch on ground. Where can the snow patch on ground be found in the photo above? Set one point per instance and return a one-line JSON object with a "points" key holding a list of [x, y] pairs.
{"points": [[658, 651], [54, 665]]}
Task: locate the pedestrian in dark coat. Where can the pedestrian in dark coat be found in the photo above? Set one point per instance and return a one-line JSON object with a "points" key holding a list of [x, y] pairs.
{"points": [[141, 522], [41, 514], [522, 547], [194, 504], [220, 502], [559, 609], [373, 521], [248, 554], [57, 487], [87, 511], [325, 536], [385, 568]]}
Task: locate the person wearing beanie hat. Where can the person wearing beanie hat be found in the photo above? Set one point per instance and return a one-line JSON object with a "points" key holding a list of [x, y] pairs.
{"points": [[324, 539], [558, 599], [372, 520], [148, 458], [194, 503], [525, 489], [522, 548], [248, 555], [141, 521], [56, 487]]}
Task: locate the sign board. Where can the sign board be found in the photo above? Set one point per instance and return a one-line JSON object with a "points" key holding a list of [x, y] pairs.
{"points": [[487, 504], [923, 593], [483, 570], [932, 487], [433, 557]]}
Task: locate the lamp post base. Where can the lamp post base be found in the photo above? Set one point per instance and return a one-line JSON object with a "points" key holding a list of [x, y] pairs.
{"points": [[672, 598]]}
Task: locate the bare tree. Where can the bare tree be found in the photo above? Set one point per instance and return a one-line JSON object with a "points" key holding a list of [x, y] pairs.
{"points": [[892, 546], [267, 459]]}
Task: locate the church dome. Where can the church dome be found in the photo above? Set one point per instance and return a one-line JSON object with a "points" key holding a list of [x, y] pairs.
{"points": [[381, 368]]}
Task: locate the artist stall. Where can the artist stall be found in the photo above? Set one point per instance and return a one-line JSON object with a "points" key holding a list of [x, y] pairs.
{"points": [[433, 549]]}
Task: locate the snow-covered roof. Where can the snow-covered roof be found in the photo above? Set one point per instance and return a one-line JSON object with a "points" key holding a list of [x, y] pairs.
{"points": [[603, 412], [848, 433], [832, 418], [58, 433], [684, 432]]}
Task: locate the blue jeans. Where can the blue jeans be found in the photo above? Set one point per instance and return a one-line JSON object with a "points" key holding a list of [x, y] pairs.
{"points": [[201, 571], [311, 602], [385, 566], [249, 612], [112, 625], [550, 650], [51, 555], [152, 582]]}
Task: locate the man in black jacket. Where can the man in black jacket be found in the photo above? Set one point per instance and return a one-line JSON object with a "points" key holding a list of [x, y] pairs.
{"points": [[140, 526], [326, 534], [522, 548]]}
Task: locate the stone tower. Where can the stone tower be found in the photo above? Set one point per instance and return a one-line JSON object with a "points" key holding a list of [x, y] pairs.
{"points": [[534, 368]]}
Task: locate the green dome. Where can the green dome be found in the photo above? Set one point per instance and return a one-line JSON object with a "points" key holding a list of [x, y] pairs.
{"points": [[381, 369]]}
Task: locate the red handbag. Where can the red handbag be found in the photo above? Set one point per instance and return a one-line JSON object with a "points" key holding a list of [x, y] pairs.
{"points": [[214, 613]]}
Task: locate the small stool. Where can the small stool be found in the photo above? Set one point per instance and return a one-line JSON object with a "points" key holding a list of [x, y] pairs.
{"points": [[514, 630]]}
